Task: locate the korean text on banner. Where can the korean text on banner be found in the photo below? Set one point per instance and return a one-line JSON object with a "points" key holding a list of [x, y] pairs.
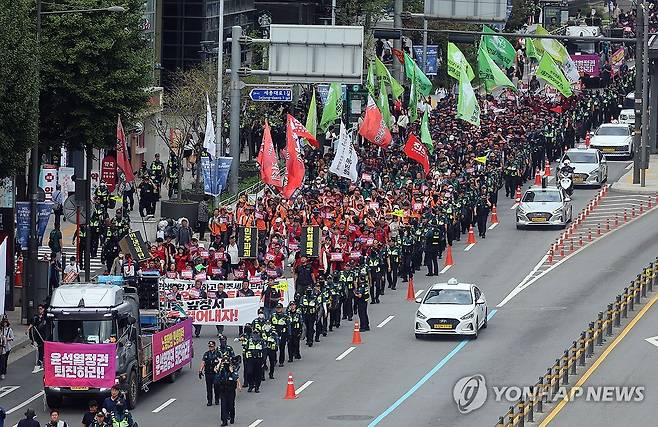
{"points": [[227, 311], [310, 242], [247, 242], [172, 349], [79, 365], [187, 290]]}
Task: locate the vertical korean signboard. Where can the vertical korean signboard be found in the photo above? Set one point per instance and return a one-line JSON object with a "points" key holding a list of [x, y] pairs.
{"points": [[247, 242], [172, 349], [310, 242]]}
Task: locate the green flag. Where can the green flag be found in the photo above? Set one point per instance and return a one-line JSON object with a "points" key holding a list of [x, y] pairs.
{"points": [[468, 108], [425, 136], [553, 75], [457, 62], [498, 48], [530, 50], [370, 81], [381, 71], [383, 104], [312, 116], [424, 85], [489, 73], [552, 46], [413, 100], [332, 107]]}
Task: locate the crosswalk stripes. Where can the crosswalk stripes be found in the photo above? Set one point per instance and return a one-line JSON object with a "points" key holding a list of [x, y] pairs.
{"points": [[95, 264]]}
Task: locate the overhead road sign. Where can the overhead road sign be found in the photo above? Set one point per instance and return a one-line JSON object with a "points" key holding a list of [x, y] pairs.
{"points": [[272, 94]]}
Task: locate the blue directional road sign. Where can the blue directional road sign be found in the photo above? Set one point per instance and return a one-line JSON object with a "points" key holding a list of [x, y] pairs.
{"points": [[272, 94]]}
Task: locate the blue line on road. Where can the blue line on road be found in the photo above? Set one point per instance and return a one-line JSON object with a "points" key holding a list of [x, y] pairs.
{"points": [[424, 379]]}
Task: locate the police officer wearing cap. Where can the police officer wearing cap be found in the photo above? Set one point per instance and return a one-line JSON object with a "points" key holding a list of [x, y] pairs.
{"points": [[296, 322], [209, 362], [281, 323], [361, 295]]}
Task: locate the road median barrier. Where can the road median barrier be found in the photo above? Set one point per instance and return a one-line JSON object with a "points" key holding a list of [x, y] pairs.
{"points": [[559, 379]]}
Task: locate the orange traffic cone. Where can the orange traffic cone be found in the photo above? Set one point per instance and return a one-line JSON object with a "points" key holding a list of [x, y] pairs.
{"points": [[290, 390], [471, 236], [547, 169], [449, 257], [494, 215], [356, 337], [411, 294], [517, 196], [537, 178]]}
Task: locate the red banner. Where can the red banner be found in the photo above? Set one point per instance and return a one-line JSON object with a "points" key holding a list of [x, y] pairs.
{"points": [[373, 127], [172, 349], [122, 153], [268, 161], [79, 365], [295, 169], [417, 151], [109, 172]]}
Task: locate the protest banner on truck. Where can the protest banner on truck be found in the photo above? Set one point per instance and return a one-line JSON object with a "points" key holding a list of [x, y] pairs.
{"points": [[79, 366], [227, 311], [172, 349]]}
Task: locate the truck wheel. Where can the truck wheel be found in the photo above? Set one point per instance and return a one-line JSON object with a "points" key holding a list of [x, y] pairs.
{"points": [[54, 402], [133, 390], [171, 378]]}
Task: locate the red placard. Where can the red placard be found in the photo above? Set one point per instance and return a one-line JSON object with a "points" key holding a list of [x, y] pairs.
{"points": [[79, 365], [109, 172], [172, 349]]}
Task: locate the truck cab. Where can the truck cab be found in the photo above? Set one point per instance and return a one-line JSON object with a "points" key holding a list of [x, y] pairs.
{"points": [[92, 314]]}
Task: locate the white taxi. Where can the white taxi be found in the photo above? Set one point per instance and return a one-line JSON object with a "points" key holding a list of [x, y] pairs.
{"points": [[451, 308]]}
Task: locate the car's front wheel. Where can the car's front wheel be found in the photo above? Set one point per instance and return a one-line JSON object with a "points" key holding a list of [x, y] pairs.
{"points": [[475, 334], [486, 319]]}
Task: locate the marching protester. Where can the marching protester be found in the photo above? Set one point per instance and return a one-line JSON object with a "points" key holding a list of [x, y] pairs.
{"points": [[6, 340]]}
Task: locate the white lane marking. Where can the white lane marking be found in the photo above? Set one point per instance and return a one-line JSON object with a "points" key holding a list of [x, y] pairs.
{"points": [[652, 341], [343, 355], [630, 165], [255, 423], [27, 402], [446, 268], [419, 292], [303, 387], [8, 389], [492, 226], [468, 248], [164, 405], [521, 286], [514, 206], [385, 321]]}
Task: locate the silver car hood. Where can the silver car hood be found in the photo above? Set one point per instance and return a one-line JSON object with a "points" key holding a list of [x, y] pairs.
{"points": [[610, 140], [540, 206], [584, 167]]}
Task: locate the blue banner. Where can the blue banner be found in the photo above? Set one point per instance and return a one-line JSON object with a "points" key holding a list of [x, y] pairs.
{"points": [[215, 174], [44, 209], [432, 59]]}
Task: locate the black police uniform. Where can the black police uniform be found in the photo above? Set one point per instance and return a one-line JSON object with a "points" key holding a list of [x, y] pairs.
{"points": [[210, 360]]}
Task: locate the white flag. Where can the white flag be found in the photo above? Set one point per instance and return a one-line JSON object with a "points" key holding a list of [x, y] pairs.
{"points": [[209, 139], [3, 275], [345, 160], [570, 70]]}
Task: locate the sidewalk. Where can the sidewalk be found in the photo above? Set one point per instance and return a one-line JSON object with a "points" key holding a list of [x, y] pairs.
{"points": [[625, 183], [20, 338]]}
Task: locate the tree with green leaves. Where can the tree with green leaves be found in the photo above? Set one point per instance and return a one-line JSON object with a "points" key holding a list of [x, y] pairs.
{"points": [[94, 67], [19, 88]]}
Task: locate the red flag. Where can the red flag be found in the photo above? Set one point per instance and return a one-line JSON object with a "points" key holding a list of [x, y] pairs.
{"points": [[122, 153], [417, 151], [373, 127], [557, 109], [301, 132], [269, 168], [399, 55], [295, 169]]}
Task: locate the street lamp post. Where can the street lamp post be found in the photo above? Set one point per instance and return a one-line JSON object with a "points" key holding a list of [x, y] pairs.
{"points": [[219, 140], [29, 293]]}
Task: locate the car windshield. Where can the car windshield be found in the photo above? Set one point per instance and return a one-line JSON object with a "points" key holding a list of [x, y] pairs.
{"points": [[542, 196], [613, 131], [577, 157], [449, 296], [84, 331]]}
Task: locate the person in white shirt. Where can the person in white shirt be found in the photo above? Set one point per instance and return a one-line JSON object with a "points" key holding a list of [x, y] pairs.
{"points": [[70, 269], [6, 340], [232, 250]]}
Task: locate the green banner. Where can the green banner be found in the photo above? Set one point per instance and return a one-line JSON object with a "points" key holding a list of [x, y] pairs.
{"points": [[383, 104], [530, 50], [425, 135], [489, 73], [381, 71], [553, 75], [312, 116], [468, 108], [423, 84], [457, 62], [499, 48], [332, 109]]}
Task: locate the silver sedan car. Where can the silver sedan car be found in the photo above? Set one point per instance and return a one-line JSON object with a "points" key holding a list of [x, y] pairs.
{"points": [[590, 166], [543, 207]]}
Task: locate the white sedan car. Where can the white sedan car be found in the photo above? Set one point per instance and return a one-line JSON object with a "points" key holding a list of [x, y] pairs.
{"points": [[451, 308], [590, 166], [613, 139]]}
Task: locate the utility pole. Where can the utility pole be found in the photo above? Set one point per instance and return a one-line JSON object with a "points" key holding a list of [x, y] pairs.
{"points": [[219, 140], [333, 13], [639, 48], [236, 54], [425, 45], [397, 43], [88, 166], [645, 97]]}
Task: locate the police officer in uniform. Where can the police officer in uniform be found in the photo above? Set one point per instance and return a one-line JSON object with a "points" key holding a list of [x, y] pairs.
{"points": [[361, 295], [482, 213], [252, 348], [392, 251], [102, 194], [374, 263], [433, 249], [271, 341], [309, 308], [336, 297], [228, 380], [322, 296], [157, 171], [173, 170], [407, 253], [296, 322], [418, 246], [281, 323], [209, 362]]}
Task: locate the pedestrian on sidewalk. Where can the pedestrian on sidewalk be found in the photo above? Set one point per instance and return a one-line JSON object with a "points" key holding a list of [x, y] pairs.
{"points": [[58, 204], [38, 333], [55, 242], [55, 270], [6, 340]]}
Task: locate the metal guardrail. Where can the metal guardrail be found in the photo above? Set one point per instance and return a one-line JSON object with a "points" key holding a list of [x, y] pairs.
{"points": [[254, 189], [558, 374]]}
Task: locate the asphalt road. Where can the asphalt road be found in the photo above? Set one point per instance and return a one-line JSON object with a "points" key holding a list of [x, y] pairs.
{"points": [[392, 379]]}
